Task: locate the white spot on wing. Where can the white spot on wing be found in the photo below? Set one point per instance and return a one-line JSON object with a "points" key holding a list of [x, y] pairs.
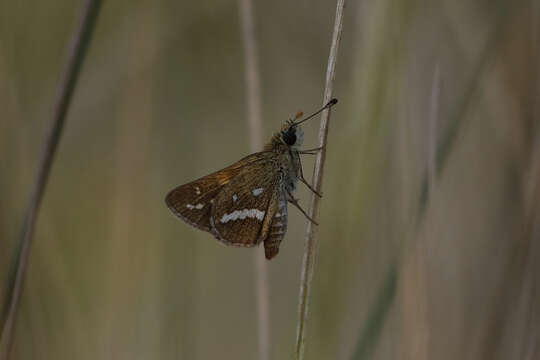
{"points": [[278, 215], [190, 207], [242, 214], [234, 198], [197, 190], [199, 206], [257, 191]]}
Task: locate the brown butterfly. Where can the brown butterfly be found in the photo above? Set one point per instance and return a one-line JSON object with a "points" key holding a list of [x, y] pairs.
{"points": [[246, 203]]}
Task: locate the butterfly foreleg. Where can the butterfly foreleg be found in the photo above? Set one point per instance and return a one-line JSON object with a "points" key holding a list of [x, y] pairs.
{"points": [[314, 151], [293, 201], [301, 173]]}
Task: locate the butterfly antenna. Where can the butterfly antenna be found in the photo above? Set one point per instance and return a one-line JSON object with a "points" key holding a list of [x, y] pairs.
{"points": [[327, 106]]}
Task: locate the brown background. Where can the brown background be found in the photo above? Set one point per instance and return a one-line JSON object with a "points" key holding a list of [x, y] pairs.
{"points": [[429, 236]]}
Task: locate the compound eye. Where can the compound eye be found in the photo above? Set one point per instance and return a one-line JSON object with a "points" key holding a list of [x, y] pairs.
{"points": [[289, 136]]}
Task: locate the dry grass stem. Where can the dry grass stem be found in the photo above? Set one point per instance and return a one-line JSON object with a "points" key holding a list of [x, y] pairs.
{"points": [[310, 248], [413, 270], [432, 130], [254, 119], [72, 70]]}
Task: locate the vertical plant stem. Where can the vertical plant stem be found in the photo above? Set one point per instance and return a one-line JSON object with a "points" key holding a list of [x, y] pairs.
{"points": [[414, 275], [254, 119], [311, 245], [252, 79], [66, 88], [432, 131]]}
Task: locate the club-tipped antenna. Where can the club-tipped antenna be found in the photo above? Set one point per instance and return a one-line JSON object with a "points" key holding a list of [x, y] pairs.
{"points": [[327, 106]]}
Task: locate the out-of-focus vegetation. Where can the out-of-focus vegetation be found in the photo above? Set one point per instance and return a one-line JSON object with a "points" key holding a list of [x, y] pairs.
{"points": [[430, 225]]}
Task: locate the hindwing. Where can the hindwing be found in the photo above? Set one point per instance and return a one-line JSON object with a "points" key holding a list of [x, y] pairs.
{"points": [[242, 209]]}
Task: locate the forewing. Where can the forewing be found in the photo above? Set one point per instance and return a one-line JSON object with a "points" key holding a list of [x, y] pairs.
{"points": [[242, 206], [192, 202]]}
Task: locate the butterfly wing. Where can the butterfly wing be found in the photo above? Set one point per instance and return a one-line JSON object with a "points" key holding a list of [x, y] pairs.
{"points": [[244, 208], [192, 202]]}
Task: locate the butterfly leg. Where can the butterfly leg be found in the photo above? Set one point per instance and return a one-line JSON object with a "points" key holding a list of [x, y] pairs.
{"points": [[293, 201], [306, 183], [311, 151], [315, 149]]}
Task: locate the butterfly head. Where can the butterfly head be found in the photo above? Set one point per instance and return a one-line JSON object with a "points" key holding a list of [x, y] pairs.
{"points": [[291, 135]]}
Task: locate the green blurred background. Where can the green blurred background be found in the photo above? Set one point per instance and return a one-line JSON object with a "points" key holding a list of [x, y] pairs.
{"points": [[430, 224]]}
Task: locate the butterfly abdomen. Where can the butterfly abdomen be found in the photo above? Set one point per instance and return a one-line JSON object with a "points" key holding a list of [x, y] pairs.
{"points": [[278, 228]]}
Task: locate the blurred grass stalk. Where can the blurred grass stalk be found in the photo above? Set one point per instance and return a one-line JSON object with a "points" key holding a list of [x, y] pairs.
{"points": [[414, 275], [311, 245], [76, 56], [254, 122], [414, 270]]}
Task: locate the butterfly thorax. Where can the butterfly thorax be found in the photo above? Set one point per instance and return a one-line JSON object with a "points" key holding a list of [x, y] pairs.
{"points": [[284, 144], [289, 168]]}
